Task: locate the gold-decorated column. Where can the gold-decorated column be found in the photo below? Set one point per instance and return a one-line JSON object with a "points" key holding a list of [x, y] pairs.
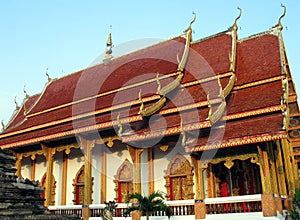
{"points": [[49, 154]]}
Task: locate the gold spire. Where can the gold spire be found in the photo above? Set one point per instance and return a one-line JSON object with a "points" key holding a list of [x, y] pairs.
{"points": [[25, 92], [109, 39], [279, 20], [108, 49]]}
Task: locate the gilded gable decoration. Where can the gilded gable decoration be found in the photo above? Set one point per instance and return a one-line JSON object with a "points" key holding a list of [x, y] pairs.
{"points": [[179, 179]]}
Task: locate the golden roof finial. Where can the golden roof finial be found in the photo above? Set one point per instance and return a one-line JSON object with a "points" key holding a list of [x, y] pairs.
{"points": [[221, 93], [49, 78], [109, 39], [25, 92], [238, 17], [158, 83], [183, 139], [3, 125], [119, 125], [17, 106], [210, 107], [108, 49], [194, 19], [141, 101], [279, 20]]}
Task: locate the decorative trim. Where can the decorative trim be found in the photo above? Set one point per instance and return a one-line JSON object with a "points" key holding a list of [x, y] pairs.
{"points": [[169, 131], [257, 83], [147, 99], [101, 94], [242, 141], [200, 125]]}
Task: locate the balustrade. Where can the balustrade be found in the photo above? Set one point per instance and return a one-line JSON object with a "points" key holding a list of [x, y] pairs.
{"points": [[220, 205]]}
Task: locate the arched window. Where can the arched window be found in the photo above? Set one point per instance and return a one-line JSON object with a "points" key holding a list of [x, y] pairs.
{"points": [[179, 179], [43, 184], [78, 184], [123, 181]]}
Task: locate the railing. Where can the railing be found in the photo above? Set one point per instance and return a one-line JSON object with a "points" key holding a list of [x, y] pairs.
{"points": [[234, 204], [97, 210], [181, 207], [66, 210]]}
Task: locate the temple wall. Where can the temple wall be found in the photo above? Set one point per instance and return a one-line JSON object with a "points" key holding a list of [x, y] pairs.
{"points": [[96, 173], [161, 162], [41, 167], [26, 162], [57, 173], [115, 157], [144, 172], [75, 162]]}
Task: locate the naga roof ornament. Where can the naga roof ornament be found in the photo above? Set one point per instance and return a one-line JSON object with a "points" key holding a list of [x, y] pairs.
{"points": [[3, 125], [120, 130], [17, 105], [183, 134], [235, 27], [25, 92], [223, 93], [279, 20], [151, 109], [175, 83], [48, 77]]}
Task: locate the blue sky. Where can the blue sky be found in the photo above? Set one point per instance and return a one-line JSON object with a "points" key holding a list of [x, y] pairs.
{"points": [[67, 35]]}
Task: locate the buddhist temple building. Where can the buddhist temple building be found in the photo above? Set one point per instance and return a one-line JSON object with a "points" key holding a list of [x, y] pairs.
{"points": [[213, 123]]}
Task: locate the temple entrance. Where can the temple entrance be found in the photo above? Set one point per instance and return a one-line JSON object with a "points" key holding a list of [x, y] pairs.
{"points": [[243, 178], [179, 179], [123, 181]]}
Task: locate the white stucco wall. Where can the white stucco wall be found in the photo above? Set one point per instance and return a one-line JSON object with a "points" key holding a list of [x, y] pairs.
{"points": [[144, 172], [40, 167], [96, 173], [115, 157], [25, 167], [57, 173], [75, 162]]}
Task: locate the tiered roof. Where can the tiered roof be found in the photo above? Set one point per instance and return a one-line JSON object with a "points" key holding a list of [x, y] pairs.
{"points": [[238, 85]]}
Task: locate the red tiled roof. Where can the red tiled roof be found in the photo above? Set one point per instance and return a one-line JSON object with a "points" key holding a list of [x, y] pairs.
{"points": [[258, 58], [19, 116], [106, 86]]}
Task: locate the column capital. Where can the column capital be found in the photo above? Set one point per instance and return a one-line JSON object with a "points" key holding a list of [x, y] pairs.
{"points": [[48, 151]]}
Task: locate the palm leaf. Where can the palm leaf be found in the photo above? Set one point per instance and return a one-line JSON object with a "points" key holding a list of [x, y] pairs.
{"points": [[147, 205]]}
